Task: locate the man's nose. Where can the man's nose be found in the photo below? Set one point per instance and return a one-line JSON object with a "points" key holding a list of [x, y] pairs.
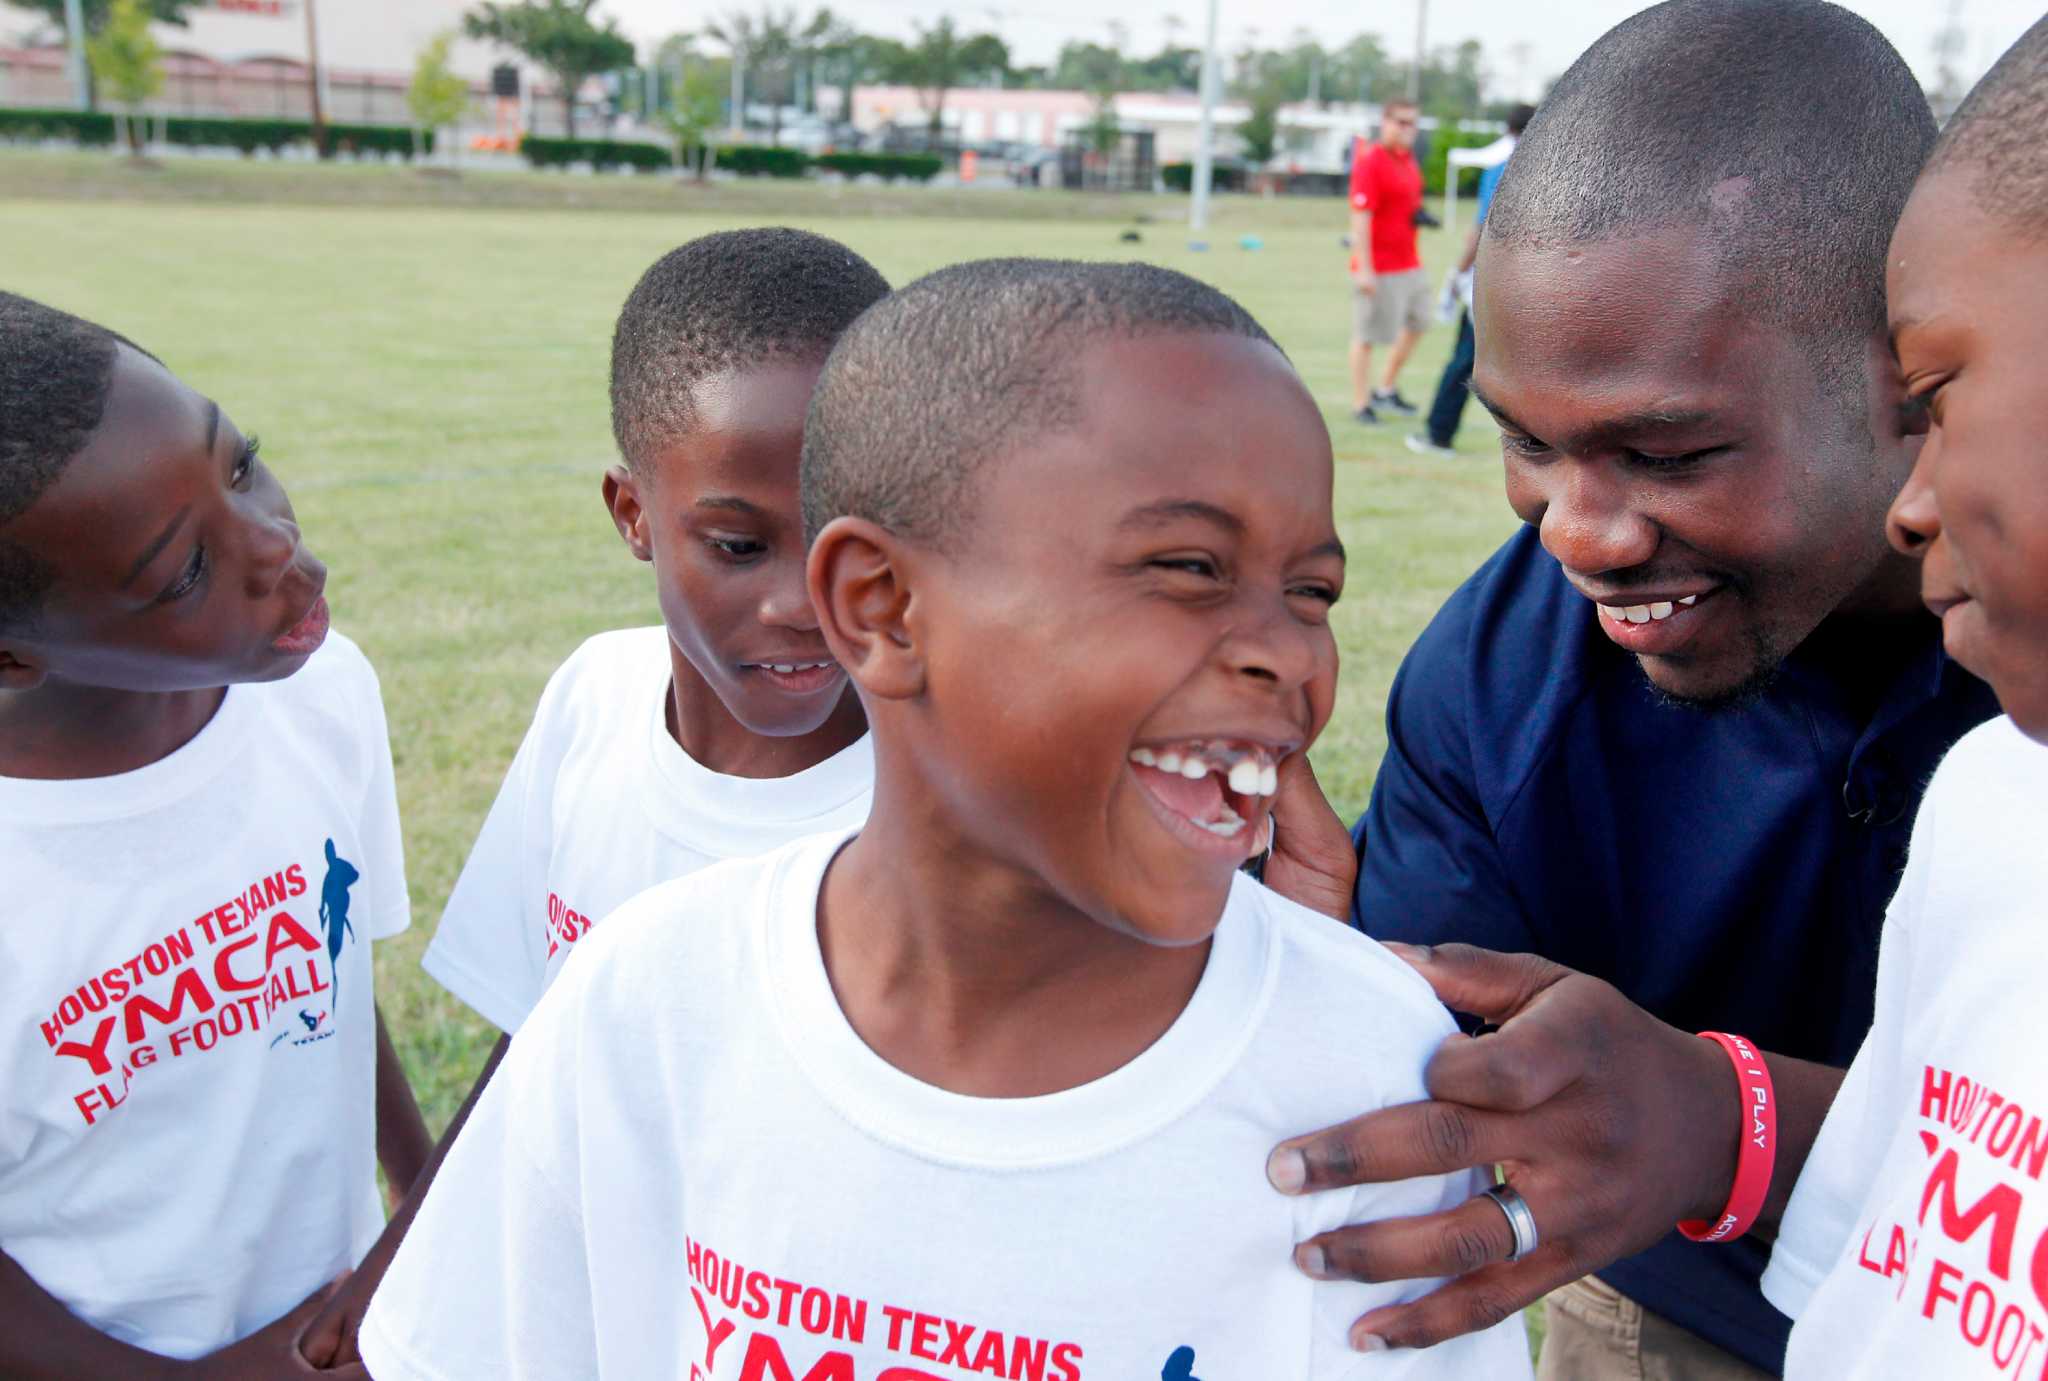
{"points": [[1590, 523]]}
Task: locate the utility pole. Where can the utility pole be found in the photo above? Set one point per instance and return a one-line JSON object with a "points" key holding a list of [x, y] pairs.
{"points": [[1205, 136], [739, 92], [1421, 30], [313, 80], [74, 24]]}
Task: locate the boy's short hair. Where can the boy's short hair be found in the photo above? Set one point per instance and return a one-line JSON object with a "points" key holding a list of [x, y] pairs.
{"points": [[969, 363], [55, 370], [1789, 130], [1997, 135], [732, 300]]}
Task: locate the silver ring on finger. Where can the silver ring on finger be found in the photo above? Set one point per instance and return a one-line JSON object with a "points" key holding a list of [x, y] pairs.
{"points": [[1521, 1221]]}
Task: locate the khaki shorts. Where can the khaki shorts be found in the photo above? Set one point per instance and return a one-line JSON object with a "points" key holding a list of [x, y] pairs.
{"points": [[1400, 303], [1596, 1333]]}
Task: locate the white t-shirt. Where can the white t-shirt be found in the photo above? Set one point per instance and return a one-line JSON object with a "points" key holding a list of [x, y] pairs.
{"points": [[601, 804], [690, 1166], [1916, 1243], [188, 1082]]}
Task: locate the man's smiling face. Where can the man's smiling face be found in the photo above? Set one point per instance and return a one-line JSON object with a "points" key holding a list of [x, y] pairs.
{"points": [[1702, 482]]}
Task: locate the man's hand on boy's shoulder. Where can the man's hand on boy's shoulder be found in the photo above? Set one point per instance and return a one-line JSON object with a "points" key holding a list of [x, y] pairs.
{"points": [[1313, 862], [270, 1353]]}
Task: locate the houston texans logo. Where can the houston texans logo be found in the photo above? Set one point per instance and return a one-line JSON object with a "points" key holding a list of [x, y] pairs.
{"points": [[1180, 1366]]}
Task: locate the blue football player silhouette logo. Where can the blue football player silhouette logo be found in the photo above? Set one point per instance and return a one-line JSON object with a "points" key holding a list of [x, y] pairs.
{"points": [[1180, 1366], [341, 875]]}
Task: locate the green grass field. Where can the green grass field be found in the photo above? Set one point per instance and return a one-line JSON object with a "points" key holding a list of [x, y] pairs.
{"points": [[426, 364]]}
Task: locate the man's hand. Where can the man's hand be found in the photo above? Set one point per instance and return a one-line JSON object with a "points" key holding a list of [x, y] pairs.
{"points": [[1313, 860], [272, 1353], [1362, 276], [1611, 1124]]}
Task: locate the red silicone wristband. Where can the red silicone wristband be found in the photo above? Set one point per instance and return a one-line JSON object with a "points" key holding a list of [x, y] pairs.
{"points": [[1759, 1145]]}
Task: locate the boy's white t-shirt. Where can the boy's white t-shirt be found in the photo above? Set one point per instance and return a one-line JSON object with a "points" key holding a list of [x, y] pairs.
{"points": [[600, 804], [1916, 1242], [689, 1165], [188, 1083]]}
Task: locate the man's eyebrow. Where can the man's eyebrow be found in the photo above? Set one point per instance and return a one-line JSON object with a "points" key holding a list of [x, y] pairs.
{"points": [[1500, 414], [212, 425], [1333, 547], [1174, 510], [155, 548], [1624, 424]]}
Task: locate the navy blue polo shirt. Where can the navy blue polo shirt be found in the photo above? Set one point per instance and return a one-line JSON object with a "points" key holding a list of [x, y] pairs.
{"points": [[1727, 869]]}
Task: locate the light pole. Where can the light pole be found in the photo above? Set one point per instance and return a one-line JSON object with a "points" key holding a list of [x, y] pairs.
{"points": [[74, 24], [1421, 29], [313, 81], [1205, 133]]}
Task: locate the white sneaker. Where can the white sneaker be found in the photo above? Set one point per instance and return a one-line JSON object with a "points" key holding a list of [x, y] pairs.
{"points": [[1420, 443]]}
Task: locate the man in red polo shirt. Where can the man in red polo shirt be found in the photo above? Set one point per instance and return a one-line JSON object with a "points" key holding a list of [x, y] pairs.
{"points": [[1390, 299]]}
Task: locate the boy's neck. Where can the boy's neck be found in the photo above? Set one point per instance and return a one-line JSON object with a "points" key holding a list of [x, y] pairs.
{"points": [[704, 728], [65, 732], [970, 974]]}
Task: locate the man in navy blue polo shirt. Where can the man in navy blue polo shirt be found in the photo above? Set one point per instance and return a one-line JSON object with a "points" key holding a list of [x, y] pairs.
{"points": [[1673, 734]]}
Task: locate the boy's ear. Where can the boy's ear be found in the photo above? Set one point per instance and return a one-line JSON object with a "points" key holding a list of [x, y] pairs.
{"points": [[858, 582], [19, 671], [629, 513]]}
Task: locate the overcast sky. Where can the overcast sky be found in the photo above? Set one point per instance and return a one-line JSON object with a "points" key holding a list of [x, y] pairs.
{"points": [[1555, 33]]}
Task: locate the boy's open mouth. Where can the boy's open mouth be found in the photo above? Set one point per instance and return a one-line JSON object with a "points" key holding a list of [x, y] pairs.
{"points": [[799, 677], [1214, 785], [305, 636]]}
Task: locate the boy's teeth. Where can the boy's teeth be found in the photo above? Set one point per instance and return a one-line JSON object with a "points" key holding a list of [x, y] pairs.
{"points": [[1690, 600], [1250, 774], [1228, 828]]}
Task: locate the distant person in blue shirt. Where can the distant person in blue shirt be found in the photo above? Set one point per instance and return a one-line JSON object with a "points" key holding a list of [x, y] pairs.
{"points": [[1674, 733], [1456, 385]]}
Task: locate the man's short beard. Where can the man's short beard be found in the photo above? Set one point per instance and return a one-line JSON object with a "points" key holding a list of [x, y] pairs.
{"points": [[1749, 691]]}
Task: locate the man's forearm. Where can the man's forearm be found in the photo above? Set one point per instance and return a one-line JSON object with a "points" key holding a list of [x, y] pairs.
{"points": [[41, 1340], [1805, 1091], [1471, 254], [1361, 238]]}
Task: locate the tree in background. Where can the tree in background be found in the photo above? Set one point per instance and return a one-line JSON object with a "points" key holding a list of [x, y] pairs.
{"points": [[1260, 129], [698, 105], [780, 51], [558, 35], [943, 58], [848, 58], [437, 98], [96, 14], [125, 55]]}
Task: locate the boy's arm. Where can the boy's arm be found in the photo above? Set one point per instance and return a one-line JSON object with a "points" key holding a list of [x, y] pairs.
{"points": [[404, 1146], [44, 1341], [330, 1340], [509, 1194]]}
